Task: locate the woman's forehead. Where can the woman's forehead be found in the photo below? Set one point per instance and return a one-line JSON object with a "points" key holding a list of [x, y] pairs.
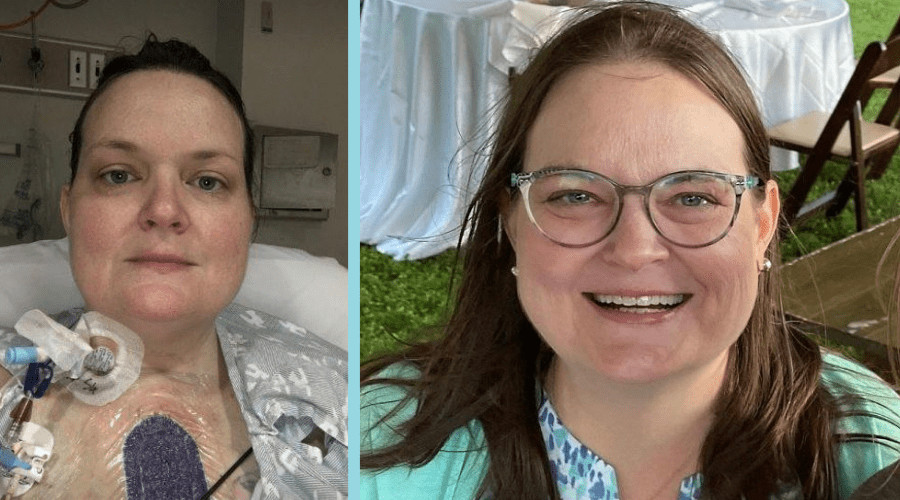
{"points": [[149, 102], [158, 87], [641, 116]]}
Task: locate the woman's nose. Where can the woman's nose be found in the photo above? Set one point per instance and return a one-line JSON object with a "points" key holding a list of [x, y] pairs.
{"points": [[164, 207], [634, 243]]}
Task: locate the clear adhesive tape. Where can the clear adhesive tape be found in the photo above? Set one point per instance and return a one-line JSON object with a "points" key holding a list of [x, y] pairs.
{"points": [[100, 375], [65, 347], [98, 389]]}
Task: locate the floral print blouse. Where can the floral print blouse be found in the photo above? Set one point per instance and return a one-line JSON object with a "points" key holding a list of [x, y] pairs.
{"points": [[579, 472]]}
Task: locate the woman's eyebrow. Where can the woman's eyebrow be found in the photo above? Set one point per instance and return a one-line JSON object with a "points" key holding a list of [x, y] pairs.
{"points": [[117, 144], [130, 147], [209, 154]]}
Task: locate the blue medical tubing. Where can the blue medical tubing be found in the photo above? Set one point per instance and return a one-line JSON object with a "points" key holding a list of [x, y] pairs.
{"points": [[9, 460], [23, 355]]}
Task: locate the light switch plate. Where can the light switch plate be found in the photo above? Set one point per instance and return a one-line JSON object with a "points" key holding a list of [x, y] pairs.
{"points": [[95, 67], [78, 69]]}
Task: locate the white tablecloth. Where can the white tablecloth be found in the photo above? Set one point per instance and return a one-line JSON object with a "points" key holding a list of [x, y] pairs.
{"points": [[433, 70]]}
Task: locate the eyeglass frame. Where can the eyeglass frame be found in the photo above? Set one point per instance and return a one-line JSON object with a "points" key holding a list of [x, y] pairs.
{"points": [[740, 183]]}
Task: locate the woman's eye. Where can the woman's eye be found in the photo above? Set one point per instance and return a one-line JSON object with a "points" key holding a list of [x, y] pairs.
{"points": [[571, 198], [207, 183], [117, 177], [694, 200]]}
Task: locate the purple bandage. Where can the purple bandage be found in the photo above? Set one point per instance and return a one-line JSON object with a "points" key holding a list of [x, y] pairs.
{"points": [[162, 461]]}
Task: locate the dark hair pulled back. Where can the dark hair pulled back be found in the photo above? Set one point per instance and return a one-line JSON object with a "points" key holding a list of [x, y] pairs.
{"points": [[176, 56]]}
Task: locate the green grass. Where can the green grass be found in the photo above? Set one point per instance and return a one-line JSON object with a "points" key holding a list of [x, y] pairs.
{"points": [[871, 20], [399, 301]]}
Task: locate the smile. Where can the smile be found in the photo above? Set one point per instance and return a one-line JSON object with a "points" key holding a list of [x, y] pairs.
{"points": [[641, 304]]}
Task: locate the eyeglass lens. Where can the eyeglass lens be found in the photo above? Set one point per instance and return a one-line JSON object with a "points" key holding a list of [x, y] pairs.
{"points": [[573, 208]]}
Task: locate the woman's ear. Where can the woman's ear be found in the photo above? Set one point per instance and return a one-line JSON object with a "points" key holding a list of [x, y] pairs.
{"points": [[767, 217], [64, 206]]}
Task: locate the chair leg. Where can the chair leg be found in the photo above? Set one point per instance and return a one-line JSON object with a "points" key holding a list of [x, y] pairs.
{"points": [[858, 166], [853, 184], [794, 200]]}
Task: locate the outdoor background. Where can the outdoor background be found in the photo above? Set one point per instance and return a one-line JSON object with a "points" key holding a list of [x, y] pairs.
{"points": [[407, 300]]}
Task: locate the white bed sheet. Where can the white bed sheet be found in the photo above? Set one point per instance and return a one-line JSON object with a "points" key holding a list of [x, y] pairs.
{"points": [[301, 288]]}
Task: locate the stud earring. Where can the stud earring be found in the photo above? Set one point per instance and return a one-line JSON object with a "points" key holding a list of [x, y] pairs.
{"points": [[514, 270], [765, 267]]}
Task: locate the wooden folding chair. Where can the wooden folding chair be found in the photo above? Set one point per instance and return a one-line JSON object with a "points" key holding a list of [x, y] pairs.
{"points": [[867, 146]]}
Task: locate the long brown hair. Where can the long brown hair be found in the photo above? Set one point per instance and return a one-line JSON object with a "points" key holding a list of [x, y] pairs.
{"points": [[773, 419]]}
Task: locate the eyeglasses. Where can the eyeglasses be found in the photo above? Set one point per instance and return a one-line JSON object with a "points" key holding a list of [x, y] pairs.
{"points": [[578, 208]]}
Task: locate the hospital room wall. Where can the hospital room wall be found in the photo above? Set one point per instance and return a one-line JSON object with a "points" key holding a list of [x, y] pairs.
{"points": [[217, 28], [296, 77]]}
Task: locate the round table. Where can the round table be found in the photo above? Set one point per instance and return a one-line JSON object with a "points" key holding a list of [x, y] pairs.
{"points": [[433, 71]]}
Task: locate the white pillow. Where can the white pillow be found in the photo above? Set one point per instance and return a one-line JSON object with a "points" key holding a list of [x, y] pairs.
{"points": [[285, 282]]}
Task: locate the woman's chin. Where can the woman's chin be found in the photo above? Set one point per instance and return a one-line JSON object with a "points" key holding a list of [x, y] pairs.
{"points": [[625, 366], [635, 369], [159, 308], [149, 305], [622, 362]]}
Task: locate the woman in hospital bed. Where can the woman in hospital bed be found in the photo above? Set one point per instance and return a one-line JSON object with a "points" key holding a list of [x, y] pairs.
{"points": [[164, 388]]}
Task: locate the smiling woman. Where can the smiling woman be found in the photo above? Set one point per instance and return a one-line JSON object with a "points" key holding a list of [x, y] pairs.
{"points": [[225, 402], [617, 331], [705, 262]]}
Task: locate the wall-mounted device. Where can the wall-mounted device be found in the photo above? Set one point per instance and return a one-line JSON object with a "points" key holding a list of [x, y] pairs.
{"points": [[294, 172]]}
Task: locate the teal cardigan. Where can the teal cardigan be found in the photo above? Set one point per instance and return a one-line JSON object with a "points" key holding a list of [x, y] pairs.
{"points": [[458, 469]]}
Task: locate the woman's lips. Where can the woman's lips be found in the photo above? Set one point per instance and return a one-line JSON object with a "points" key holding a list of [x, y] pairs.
{"points": [[161, 262]]}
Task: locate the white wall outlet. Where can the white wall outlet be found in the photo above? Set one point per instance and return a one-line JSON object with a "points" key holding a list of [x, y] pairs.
{"points": [[95, 67], [78, 69]]}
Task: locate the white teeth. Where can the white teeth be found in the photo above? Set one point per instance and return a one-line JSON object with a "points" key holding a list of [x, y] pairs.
{"points": [[641, 301]]}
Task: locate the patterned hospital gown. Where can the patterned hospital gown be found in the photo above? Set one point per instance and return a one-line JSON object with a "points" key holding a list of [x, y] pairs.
{"points": [[287, 382]]}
